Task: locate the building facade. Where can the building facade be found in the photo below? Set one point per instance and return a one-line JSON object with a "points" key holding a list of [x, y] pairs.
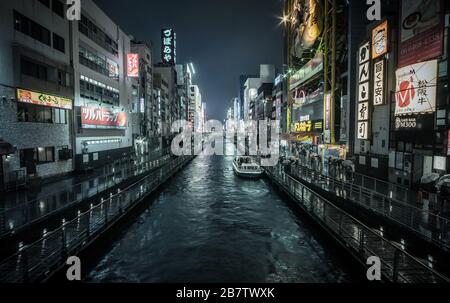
{"points": [[144, 110], [103, 94], [36, 90]]}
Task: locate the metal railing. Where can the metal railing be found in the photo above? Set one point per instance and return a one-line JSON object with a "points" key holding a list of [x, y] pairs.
{"points": [[391, 190], [424, 223], [34, 262], [362, 241], [26, 213]]}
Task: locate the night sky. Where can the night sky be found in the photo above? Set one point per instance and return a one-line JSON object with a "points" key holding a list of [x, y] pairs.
{"points": [[224, 38]]}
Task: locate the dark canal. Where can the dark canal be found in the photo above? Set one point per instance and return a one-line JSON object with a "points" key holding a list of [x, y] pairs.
{"points": [[208, 225]]}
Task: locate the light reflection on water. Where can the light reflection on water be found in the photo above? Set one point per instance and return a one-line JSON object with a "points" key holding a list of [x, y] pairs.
{"points": [[208, 225]]}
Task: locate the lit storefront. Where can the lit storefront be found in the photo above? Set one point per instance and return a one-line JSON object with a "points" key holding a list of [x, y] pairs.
{"points": [[38, 138], [419, 124], [104, 127]]}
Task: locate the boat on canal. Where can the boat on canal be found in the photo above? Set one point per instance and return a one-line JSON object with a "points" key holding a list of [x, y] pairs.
{"points": [[247, 167]]}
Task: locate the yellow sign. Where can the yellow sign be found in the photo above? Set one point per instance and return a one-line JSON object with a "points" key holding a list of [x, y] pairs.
{"points": [[305, 126], [27, 96], [380, 40]]}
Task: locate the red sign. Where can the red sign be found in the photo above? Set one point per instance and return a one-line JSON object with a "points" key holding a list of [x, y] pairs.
{"points": [[92, 117], [133, 65], [421, 31]]}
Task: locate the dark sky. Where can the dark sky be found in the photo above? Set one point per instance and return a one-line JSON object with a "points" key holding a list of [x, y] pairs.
{"points": [[224, 38]]}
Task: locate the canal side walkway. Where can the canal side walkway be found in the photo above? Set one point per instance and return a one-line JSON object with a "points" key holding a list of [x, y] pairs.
{"points": [[359, 240], [429, 225], [16, 217], [39, 260]]}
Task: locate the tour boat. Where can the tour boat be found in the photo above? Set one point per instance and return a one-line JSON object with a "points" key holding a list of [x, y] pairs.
{"points": [[246, 167]]}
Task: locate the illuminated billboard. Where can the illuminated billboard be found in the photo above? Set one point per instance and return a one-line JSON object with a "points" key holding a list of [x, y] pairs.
{"points": [[101, 117], [168, 46], [421, 31], [26, 96], [416, 88], [133, 65]]}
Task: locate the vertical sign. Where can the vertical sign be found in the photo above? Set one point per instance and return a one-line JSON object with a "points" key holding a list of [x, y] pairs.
{"points": [[168, 46], [380, 40], [363, 110], [448, 143], [133, 65], [378, 82], [327, 116]]}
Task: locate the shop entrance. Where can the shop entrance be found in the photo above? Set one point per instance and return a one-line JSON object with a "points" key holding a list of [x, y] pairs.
{"points": [[28, 160]]}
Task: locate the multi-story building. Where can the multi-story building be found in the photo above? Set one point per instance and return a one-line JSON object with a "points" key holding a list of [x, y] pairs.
{"points": [[36, 91], [250, 94], [184, 81], [316, 59], [236, 109], [162, 100], [169, 73], [103, 92], [144, 109], [195, 104], [241, 90]]}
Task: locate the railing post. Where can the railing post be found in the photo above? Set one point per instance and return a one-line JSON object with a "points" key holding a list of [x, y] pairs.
{"points": [[395, 265], [105, 205], [303, 195], [63, 239], [361, 241], [24, 263]]}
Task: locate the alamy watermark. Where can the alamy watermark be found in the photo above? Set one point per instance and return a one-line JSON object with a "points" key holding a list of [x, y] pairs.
{"points": [[252, 138], [73, 10], [374, 11]]}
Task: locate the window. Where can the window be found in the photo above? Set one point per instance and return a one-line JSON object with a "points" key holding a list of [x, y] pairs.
{"points": [[58, 8], [31, 28], [40, 114], [89, 29], [33, 69], [44, 155], [59, 43]]}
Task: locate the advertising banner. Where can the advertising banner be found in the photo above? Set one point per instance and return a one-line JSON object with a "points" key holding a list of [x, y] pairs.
{"points": [[311, 68], [133, 65], [26, 96], [378, 83], [416, 88], [93, 117], [421, 31], [380, 40], [414, 122], [363, 105], [168, 46]]}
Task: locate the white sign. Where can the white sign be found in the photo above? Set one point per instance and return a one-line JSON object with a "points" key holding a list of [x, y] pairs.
{"points": [[363, 130], [363, 111], [364, 53], [378, 83], [416, 88], [363, 90], [364, 72], [439, 163]]}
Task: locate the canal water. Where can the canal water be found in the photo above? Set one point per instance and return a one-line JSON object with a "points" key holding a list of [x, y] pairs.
{"points": [[208, 225]]}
